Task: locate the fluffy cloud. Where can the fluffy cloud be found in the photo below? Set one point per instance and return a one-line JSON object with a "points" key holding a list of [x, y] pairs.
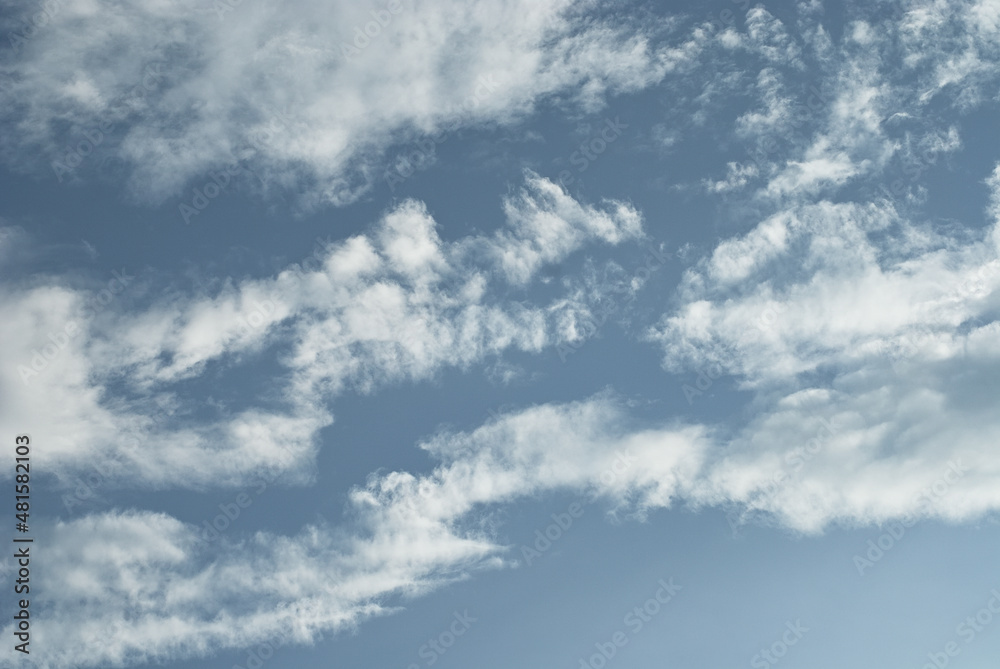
{"points": [[848, 319], [851, 316], [392, 305], [295, 94], [865, 337], [133, 587], [890, 435], [546, 225]]}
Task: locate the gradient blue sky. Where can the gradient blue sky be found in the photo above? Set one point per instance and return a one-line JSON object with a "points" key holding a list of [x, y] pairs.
{"points": [[725, 275]]}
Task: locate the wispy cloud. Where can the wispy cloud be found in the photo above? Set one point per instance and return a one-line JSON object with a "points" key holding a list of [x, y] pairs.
{"points": [[340, 111], [396, 304]]}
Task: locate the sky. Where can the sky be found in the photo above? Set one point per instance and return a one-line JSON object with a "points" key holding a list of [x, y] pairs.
{"points": [[505, 333]]}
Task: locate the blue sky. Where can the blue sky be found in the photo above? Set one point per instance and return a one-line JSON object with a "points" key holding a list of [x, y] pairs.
{"points": [[504, 334]]}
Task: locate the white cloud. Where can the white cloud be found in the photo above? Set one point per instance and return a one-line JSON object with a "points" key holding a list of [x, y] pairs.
{"points": [[890, 434], [298, 93], [850, 314], [952, 45], [396, 304], [867, 340], [148, 589], [546, 225], [133, 587], [733, 260], [739, 175], [770, 38], [843, 126]]}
